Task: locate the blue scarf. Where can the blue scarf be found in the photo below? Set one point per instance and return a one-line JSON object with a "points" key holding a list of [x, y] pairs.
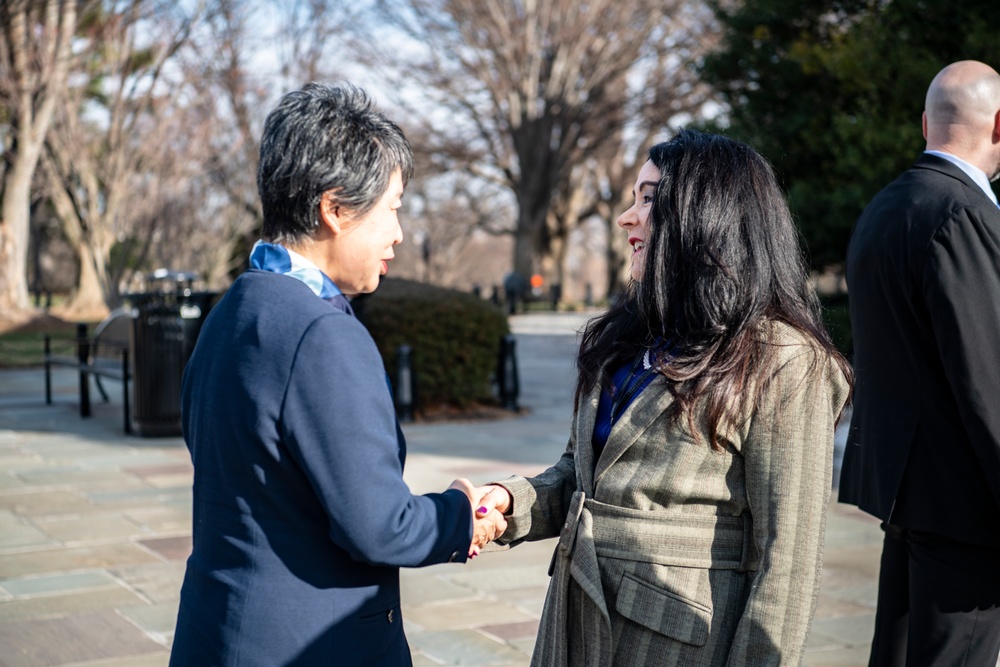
{"points": [[279, 259]]}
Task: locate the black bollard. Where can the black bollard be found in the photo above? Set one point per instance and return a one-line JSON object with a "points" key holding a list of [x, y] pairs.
{"points": [[404, 384], [507, 374], [83, 355]]}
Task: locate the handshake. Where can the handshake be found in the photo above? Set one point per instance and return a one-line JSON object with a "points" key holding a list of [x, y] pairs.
{"points": [[489, 504]]}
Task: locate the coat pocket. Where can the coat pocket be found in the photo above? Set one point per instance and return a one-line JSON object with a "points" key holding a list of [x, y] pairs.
{"points": [[663, 612]]}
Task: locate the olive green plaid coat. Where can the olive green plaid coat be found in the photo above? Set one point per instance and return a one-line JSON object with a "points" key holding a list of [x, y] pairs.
{"points": [[672, 553]]}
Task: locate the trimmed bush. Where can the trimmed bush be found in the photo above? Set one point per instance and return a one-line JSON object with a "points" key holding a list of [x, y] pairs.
{"points": [[455, 339], [837, 318]]}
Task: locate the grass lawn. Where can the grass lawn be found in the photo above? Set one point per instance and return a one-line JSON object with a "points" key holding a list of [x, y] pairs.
{"points": [[22, 346]]}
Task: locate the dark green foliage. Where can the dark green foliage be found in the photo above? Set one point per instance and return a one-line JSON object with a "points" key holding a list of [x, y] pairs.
{"points": [[832, 92], [455, 337], [837, 318]]}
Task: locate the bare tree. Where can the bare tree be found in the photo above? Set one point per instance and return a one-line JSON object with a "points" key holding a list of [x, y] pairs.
{"points": [[451, 218], [451, 223], [229, 101], [571, 204], [109, 138], [232, 94], [35, 54], [315, 39], [150, 154], [535, 89], [668, 95]]}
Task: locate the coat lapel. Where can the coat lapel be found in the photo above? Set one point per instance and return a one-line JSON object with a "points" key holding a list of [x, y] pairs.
{"points": [[652, 402], [576, 556], [584, 441]]}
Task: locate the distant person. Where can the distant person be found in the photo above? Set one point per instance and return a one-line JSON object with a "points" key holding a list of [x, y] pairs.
{"points": [[301, 516], [515, 287], [923, 451], [691, 501]]}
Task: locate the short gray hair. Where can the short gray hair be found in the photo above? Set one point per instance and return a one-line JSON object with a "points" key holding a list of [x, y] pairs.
{"points": [[319, 139]]}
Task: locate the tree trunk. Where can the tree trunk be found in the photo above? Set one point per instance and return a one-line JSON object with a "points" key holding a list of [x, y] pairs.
{"points": [[217, 272], [89, 300], [618, 258], [15, 219], [556, 271], [526, 240], [38, 79]]}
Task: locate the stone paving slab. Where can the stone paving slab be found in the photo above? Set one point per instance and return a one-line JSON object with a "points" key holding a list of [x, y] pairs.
{"points": [[155, 620], [526, 630], [131, 498], [842, 631], [157, 659], [42, 503], [74, 559], [17, 534], [95, 527], [41, 585], [157, 582], [48, 606], [71, 639], [460, 614], [170, 548], [465, 647]]}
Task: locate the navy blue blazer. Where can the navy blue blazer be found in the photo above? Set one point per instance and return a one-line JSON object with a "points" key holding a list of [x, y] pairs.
{"points": [[923, 271], [301, 514]]}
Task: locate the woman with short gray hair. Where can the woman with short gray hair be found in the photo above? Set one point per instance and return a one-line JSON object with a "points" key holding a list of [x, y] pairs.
{"points": [[301, 515]]}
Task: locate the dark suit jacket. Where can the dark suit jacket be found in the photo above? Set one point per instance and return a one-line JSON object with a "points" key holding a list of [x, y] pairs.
{"points": [[923, 273], [301, 515]]}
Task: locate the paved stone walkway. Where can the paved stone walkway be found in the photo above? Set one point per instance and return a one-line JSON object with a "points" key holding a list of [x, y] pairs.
{"points": [[95, 528]]}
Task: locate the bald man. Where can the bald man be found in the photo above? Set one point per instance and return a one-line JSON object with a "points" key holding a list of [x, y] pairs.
{"points": [[923, 454]]}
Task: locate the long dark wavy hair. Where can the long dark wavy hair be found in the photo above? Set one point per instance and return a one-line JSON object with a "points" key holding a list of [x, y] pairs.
{"points": [[723, 259]]}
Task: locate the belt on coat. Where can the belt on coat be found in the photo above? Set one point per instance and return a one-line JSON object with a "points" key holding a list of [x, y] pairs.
{"points": [[665, 538], [595, 529]]}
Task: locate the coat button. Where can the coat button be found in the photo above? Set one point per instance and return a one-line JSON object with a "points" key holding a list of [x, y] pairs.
{"points": [[389, 616]]}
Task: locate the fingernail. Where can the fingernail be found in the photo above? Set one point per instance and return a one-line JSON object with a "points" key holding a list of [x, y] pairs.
{"points": [[482, 510]]}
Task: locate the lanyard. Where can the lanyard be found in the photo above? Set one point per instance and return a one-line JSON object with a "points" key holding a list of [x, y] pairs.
{"points": [[629, 388]]}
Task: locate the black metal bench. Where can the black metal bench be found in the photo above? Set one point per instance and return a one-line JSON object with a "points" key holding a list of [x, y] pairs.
{"points": [[106, 354]]}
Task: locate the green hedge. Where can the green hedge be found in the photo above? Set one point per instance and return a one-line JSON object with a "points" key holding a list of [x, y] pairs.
{"points": [[837, 317], [455, 337]]}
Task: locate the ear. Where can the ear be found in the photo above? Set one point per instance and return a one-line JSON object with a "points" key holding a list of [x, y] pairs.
{"points": [[923, 125], [996, 127], [331, 214]]}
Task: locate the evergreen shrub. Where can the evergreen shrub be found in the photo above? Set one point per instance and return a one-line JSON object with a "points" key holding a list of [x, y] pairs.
{"points": [[454, 336], [837, 318]]}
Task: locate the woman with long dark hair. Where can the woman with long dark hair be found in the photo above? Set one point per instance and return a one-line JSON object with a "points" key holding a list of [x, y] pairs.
{"points": [[691, 501]]}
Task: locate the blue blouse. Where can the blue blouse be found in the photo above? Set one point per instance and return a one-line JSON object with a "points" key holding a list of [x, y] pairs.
{"points": [[629, 381]]}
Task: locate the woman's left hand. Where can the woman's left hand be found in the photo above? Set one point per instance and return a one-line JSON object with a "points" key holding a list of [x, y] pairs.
{"points": [[487, 522]]}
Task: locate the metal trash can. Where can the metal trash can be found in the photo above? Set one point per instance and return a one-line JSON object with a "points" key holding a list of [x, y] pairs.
{"points": [[165, 327]]}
